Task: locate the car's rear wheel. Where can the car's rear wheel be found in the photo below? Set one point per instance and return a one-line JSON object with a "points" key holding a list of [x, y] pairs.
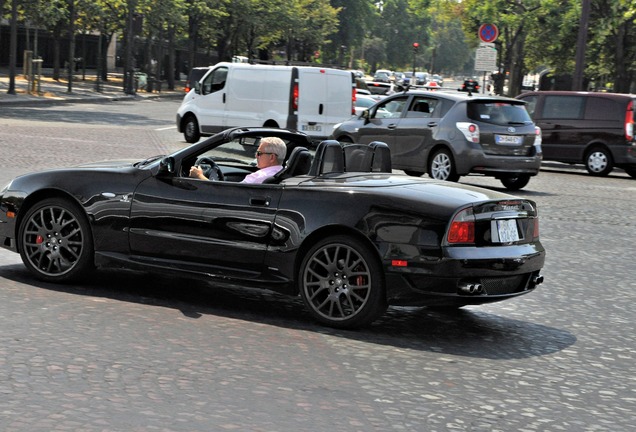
{"points": [[191, 131], [413, 173], [442, 166], [55, 241], [598, 162], [341, 283], [516, 182], [631, 172]]}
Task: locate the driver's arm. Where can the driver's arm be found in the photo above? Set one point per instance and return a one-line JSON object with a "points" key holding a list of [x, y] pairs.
{"points": [[197, 172]]}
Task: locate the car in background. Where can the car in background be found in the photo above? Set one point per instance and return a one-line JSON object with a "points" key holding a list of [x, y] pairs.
{"points": [[196, 73], [450, 134], [470, 85], [382, 76], [399, 241], [438, 79], [597, 130], [379, 89], [363, 103], [421, 78]]}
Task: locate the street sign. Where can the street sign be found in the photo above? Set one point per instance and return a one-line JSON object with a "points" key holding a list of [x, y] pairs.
{"points": [[486, 59], [488, 33]]}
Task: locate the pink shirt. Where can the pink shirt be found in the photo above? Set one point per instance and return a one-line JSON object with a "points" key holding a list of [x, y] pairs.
{"points": [[262, 174]]}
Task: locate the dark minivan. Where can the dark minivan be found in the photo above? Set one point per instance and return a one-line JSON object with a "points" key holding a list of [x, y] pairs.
{"points": [[594, 129]]}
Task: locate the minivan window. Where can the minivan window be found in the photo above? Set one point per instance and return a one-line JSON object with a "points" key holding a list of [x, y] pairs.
{"points": [[602, 109], [499, 113], [215, 81], [563, 107]]}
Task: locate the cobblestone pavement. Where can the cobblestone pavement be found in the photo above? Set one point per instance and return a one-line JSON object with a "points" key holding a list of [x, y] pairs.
{"points": [[138, 352]]}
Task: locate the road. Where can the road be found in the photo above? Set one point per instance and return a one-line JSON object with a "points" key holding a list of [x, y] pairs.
{"points": [[138, 352]]}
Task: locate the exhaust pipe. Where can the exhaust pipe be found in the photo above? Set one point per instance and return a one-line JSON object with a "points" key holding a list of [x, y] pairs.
{"points": [[536, 280], [471, 288]]}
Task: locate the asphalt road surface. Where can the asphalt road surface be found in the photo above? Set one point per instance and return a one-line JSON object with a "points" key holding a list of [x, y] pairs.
{"points": [[137, 352]]}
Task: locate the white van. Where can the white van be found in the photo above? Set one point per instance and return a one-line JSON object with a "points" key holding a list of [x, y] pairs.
{"points": [[308, 99]]}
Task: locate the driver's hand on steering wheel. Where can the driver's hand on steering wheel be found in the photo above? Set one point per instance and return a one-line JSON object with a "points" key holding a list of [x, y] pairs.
{"points": [[197, 172]]}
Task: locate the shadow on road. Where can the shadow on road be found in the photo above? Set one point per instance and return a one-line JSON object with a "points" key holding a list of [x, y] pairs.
{"points": [[465, 332]]}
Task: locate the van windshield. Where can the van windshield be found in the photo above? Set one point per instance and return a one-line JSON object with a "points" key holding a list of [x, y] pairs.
{"points": [[499, 113]]}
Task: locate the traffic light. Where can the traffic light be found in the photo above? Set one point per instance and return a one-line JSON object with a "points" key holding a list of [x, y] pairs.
{"points": [[416, 47]]}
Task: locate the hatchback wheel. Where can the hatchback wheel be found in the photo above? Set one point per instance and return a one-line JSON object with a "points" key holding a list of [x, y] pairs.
{"points": [[341, 283], [55, 241], [442, 166], [515, 183], [599, 162]]}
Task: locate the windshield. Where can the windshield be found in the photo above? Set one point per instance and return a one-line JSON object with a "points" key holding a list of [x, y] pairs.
{"points": [[499, 113]]}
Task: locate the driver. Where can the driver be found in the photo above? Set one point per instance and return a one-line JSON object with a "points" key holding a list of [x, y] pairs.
{"points": [[269, 158]]}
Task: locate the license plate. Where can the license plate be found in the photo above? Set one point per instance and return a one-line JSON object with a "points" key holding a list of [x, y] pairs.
{"points": [[504, 231], [508, 139], [312, 128]]}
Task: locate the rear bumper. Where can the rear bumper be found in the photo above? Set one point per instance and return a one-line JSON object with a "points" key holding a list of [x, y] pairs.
{"points": [[461, 280]]}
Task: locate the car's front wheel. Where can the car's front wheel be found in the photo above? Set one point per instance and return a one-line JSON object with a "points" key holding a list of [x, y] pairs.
{"points": [[516, 182], [598, 162], [55, 241], [341, 283], [191, 131], [442, 166]]}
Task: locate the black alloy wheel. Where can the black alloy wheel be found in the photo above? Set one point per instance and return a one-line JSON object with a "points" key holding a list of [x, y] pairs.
{"points": [[341, 283], [55, 241]]}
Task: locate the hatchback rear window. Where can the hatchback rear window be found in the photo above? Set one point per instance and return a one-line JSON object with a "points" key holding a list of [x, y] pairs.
{"points": [[499, 113]]}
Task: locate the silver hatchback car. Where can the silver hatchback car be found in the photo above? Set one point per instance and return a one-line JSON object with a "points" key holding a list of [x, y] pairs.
{"points": [[448, 135]]}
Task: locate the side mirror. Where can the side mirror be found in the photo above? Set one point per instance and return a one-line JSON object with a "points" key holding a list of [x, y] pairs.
{"points": [[166, 166], [197, 87], [366, 115]]}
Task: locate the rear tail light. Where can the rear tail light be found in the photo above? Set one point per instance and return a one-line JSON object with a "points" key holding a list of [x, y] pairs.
{"points": [[537, 140], [535, 233], [353, 101], [629, 121], [295, 97], [462, 227], [470, 131]]}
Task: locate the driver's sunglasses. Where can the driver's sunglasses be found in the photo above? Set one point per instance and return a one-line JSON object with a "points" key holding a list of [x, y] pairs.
{"points": [[259, 153]]}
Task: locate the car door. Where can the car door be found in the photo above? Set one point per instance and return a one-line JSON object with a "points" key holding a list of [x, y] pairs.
{"points": [[413, 135], [211, 102], [383, 121], [222, 228]]}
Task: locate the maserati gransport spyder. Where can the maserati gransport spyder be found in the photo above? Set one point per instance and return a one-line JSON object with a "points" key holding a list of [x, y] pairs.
{"points": [[335, 227]]}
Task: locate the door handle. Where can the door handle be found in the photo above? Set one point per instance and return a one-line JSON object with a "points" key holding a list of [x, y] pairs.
{"points": [[432, 124], [260, 201], [392, 126], [223, 97]]}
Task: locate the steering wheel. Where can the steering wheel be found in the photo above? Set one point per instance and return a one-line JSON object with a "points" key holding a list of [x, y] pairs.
{"points": [[210, 169]]}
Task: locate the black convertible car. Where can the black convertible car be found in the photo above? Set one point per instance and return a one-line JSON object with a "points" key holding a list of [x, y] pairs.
{"points": [[335, 227]]}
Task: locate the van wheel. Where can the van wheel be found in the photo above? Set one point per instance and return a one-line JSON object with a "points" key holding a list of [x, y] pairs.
{"points": [[599, 162], [442, 166], [191, 129], [516, 182]]}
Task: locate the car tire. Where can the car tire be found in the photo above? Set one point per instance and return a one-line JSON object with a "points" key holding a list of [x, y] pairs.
{"points": [[191, 131], [56, 242], [341, 283], [631, 172], [413, 173], [598, 162], [516, 182], [441, 166]]}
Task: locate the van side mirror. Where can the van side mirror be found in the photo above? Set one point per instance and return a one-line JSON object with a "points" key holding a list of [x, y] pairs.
{"points": [[197, 87]]}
